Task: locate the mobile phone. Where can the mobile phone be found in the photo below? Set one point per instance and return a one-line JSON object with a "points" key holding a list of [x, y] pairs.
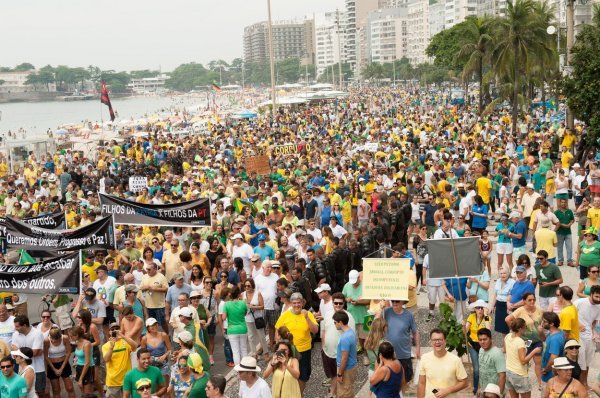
{"points": [[280, 353], [434, 391], [528, 343], [113, 333]]}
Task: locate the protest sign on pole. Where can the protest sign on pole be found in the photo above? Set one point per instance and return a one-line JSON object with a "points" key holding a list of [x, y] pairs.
{"points": [[137, 183], [441, 260], [194, 213], [97, 235], [385, 278], [290, 149], [53, 276]]}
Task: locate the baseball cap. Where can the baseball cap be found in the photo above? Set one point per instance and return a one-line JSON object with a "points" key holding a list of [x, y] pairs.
{"points": [[520, 268], [113, 325], [151, 321], [275, 264], [530, 186], [177, 276], [262, 237], [196, 293], [353, 276], [185, 337], [237, 236], [515, 214], [323, 287], [186, 312]]}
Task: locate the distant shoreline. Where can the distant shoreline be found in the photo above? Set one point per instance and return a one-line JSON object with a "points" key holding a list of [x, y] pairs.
{"points": [[40, 96]]}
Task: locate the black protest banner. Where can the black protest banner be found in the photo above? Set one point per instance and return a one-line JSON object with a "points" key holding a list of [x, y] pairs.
{"points": [[97, 235], [195, 213], [54, 276], [49, 221]]}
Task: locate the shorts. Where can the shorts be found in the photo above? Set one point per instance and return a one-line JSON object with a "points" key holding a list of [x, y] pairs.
{"points": [[89, 376], [533, 346], [329, 366], [345, 388], [271, 317], [517, 251], [435, 294], [66, 372], [407, 369], [114, 392], [40, 381], [158, 314], [504, 248], [517, 383], [212, 328], [305, 366], [586, 353]]}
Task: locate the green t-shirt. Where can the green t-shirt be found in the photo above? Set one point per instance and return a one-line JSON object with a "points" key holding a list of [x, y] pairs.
{"points": [[152, 373], [590, 254], [548, 274], [236, 317], [491, 363], [198, 389], [564, 217], [13, 387], [359, 312]]}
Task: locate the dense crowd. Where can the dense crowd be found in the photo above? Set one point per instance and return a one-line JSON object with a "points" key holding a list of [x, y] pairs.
{"points": [[280, 268]]}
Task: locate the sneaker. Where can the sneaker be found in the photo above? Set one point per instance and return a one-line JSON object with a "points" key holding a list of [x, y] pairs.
{"points": [[211, 359], [429, 317], [326, 382]]}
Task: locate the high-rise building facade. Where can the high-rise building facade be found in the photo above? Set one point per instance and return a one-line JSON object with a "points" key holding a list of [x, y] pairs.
{"points": [[291, 39], [387, 34], [329, 40], [357, 12], [418, 34]]}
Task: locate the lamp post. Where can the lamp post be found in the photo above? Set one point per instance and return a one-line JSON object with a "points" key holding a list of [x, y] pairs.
{"points": [[271, 58]]}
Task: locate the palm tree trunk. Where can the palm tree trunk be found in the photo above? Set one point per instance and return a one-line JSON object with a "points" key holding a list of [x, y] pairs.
{"points": [[480, 88], [515, 105]]}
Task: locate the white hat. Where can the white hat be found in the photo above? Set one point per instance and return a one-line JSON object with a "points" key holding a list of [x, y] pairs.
{"points": [[530, 186], [572, 343], [185, 337], [18, 353], [151, 321], [186, 312], [247, 364], [478, 303], [576, 166], [323, 287], [493, 389], [237, 236], [514, 214], [353, 276], [562, 363]]}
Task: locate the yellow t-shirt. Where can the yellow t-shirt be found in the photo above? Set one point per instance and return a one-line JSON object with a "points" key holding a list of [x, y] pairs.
{"points": [[513, 344], [546, 240], [569, 321], [484, 188], [298, 326], [565, 159], [474, 326], [441, 372], [155, 299], [594, 216], [91, 270], [120, 363]]}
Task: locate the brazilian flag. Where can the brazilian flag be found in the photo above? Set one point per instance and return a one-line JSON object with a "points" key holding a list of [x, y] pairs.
{"points": [[367, 322], [239, 204], [25, 258]]}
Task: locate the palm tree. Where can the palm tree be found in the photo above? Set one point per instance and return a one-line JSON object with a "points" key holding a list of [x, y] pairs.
{"points": [[521, 34], [475, 48]]}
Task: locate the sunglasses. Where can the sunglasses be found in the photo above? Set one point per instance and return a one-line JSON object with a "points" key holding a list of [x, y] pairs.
{"points": [[338, 303], [6, 367], [223, 276], [572, 348], [593, 272], [45, 317], [182, 365], [478, 308], [144, 388], [540, 258]]}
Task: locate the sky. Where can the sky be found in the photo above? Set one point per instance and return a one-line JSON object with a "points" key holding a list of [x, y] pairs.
{"points": [[136, 34]]}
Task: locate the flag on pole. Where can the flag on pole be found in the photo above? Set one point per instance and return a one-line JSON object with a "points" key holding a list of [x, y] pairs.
{"points": [[239, 204], [106, 101], [216, 87]]}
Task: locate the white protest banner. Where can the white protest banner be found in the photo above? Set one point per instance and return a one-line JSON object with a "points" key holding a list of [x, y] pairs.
{"points": [[385, 278], [137, 183]]}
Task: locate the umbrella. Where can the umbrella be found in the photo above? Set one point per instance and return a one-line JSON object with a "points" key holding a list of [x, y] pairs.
{"points": [[60, 132]]}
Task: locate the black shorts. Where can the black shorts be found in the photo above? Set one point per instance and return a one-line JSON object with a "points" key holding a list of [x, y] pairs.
{"points": [[89, 376], [329, 365], [271, 317], [305, 365], [66, 373], [407, 367]]}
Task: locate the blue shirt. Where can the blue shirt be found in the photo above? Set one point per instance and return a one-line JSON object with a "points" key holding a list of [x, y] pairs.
{"points": [[13, 387], [457, 287], [478, 221], [266, 252], [519, 228], [554, 345], [400, 328], [173, 293], [520, 288], [347, 343], [410, 257]]}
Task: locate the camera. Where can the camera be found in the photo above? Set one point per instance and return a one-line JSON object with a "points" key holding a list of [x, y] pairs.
{"points": [[280, 353], [113, 333]]}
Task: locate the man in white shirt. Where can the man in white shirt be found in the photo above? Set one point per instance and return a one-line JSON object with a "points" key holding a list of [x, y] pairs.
{"points": [[251, 384], [337, 229], [241, 249], [446, 229], [184, 308], [7, 325], [27, 336], [588, 309], [314, 231], [266, 285]]}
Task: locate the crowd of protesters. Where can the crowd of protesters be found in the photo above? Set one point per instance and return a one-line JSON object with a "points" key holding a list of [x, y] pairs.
{"points": [[280, 267]]}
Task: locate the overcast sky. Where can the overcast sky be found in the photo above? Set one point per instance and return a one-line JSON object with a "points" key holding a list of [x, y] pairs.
{"points": [[136, 34]]}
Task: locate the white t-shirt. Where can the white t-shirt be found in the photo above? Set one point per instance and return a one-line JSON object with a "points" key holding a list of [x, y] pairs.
{"points": [[440, 234], [221, 311], [338, 231], [103, 288], [588, 313], [260, 389], [34, 340], [7, 328], [332, 335], [267, 286], [244, 252], [433, 282]]}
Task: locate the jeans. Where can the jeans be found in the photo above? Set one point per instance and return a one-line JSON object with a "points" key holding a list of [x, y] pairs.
{"points": [[239, 346], [227, 349], [564, 240], [475, 361]]}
